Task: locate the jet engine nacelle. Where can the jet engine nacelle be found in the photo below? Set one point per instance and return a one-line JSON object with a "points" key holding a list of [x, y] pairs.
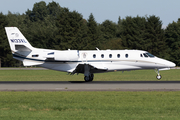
{"points": [[69, 55]]}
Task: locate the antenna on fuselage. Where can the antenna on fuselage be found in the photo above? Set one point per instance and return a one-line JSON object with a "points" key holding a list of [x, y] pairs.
{"points": [[97, 49]]}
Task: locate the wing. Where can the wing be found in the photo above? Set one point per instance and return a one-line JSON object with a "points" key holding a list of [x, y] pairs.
{"points": [[93, 68]]}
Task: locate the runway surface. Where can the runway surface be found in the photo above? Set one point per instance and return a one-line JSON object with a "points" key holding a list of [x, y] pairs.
{"points": [[90, 86]]}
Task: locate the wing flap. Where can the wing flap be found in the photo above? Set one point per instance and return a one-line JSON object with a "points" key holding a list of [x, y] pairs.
{"points": [[93, 68]]}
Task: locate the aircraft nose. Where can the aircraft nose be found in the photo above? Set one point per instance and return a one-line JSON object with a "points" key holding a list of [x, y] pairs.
{"points": [[171, 64]]}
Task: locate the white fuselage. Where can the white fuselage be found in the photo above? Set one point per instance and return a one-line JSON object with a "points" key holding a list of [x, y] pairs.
{"points": [[109, 60], [87, 62]]}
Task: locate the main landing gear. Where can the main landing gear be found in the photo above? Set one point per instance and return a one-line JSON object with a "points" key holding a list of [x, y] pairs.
{"points": [[158, 74], [89, 78]]}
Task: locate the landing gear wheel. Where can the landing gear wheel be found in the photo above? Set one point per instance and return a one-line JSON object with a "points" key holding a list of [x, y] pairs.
{"points": [[89, 78], [92, 77], [158, 77]]}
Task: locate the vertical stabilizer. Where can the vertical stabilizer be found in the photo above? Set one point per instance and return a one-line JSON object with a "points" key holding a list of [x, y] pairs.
{"points": [[21, 48], [17, 41]]}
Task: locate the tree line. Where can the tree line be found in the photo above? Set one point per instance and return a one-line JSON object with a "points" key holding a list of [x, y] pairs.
{"points": [[54, 27]]}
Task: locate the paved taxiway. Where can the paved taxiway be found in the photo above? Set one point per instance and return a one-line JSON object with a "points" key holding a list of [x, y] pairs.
{"points": [[90, 86]]}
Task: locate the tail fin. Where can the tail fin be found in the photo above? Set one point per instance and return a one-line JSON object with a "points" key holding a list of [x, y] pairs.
{"points": [[20, 47], [16, 40]]}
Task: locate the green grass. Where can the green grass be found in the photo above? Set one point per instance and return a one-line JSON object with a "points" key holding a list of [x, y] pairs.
{"points": [[50, 75], [90, 105], [114, 105]]}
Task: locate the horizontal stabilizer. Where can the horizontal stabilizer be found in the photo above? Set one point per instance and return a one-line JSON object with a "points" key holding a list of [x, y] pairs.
{"points": [[22, 48]]}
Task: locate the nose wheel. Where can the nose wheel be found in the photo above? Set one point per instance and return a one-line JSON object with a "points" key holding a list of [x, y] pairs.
{"points": [[158, 77], [158, 74]]}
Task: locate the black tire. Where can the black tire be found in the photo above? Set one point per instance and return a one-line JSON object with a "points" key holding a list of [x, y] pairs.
{"points": [[89, 78], [86, 78]]}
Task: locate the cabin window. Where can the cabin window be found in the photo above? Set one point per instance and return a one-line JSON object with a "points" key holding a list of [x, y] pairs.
{"points": [[118, 55], [35, 55], [110, 55], [102, 55], [126, 55], [94, 55]]}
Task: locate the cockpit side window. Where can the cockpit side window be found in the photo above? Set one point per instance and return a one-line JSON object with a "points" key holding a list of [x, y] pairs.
{"points": [[150, 55], [141, 55], [145, 55]]}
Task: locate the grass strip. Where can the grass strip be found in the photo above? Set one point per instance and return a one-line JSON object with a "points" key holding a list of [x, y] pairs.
{"points": [[50, 75], [72, 105]]}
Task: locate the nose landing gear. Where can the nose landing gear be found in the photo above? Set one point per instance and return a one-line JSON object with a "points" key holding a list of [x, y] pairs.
{"points": [[158, 74]]}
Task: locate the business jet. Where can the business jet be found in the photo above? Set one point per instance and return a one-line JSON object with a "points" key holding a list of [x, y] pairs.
{"points": [[86, 62]]}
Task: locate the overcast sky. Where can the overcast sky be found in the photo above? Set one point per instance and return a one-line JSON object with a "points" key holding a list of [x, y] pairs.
{"points": [[167, 10]]}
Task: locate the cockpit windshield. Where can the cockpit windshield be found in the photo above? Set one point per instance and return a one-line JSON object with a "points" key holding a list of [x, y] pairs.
{"points": [[150, 55]]}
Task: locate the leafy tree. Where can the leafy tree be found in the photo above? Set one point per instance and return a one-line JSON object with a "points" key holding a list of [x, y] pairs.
{"points": [[172, 34], [132, 33], [108, 35], [156, 42], [53, 9], [144, 33], [70, 26], [41, 28], [109, 29], [5, 52], [82, 37], [39, 12], [115, 44], [119, 27], [15, 20], [93, 33]]}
